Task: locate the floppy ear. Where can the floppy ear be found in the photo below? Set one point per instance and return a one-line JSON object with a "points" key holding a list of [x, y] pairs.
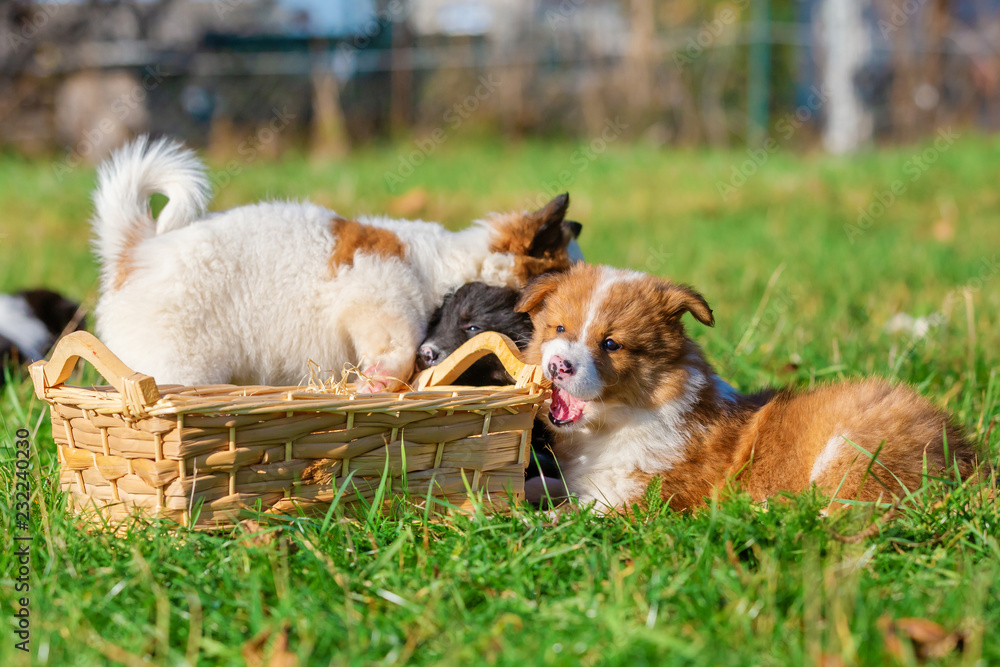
{"points": [[573, 227], [534, 294], [551, 235], [680, 299]]}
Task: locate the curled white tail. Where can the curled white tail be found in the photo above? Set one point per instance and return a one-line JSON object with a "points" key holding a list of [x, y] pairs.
{"points": [[125, 182]]}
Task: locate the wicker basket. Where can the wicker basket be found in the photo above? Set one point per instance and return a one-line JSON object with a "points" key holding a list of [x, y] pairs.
{"points": [[209, 456]]}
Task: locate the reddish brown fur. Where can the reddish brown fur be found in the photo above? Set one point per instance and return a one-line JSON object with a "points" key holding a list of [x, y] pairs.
{"points": [[513, 233], [126, 261], [353, 237], [768, 442], [789, 433]]}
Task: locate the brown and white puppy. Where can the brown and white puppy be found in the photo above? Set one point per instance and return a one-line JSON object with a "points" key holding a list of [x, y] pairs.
{"points": [[251, 294], [633, 398]]}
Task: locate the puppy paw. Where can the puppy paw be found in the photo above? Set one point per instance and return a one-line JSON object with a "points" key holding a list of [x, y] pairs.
{"points": [[373, 383]]}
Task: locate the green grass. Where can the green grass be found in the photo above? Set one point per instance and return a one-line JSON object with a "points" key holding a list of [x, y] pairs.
{"points": [[733, 584]]}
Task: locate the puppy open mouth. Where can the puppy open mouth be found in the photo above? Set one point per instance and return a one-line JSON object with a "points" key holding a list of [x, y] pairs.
{"points": [[566, 408]]}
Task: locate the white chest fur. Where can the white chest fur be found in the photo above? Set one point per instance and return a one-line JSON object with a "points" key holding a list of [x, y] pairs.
{"points": [[600, 460]]}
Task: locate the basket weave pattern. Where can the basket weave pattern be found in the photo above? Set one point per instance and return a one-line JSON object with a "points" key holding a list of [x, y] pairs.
{"points": [[204, 455]]}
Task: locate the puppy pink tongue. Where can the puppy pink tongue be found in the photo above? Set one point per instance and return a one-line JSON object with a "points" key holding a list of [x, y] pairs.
{"points": [[565, 407]]}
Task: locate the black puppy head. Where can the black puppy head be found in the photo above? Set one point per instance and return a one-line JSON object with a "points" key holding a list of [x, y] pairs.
{"points": [[54, 310], [473, 309]]}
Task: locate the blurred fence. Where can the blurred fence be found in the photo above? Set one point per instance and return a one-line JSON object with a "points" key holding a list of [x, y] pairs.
{"points": [[250, 78]]}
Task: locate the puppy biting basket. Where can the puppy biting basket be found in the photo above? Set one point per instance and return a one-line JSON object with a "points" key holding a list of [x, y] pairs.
{"points": [[208, 456]]}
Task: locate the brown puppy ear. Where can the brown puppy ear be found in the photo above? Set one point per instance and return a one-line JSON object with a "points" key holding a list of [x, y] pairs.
{"points": [[680, 299], [551, 235], [535, 293], [554, 211]]}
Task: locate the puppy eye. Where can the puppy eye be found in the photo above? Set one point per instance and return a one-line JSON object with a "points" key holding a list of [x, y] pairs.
{"points": [[472, 328], [560, 329], [610, 345]]}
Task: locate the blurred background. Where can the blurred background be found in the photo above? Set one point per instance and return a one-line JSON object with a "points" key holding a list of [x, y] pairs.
{"points": [[78, 77]]}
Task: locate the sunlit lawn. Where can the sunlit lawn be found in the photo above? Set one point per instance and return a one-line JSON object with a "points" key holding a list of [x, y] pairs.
{"points": [[802, 293]]}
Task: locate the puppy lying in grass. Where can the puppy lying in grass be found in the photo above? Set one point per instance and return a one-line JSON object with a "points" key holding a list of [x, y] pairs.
{"points": [[472, 309], [250, 295], [633, 399]]}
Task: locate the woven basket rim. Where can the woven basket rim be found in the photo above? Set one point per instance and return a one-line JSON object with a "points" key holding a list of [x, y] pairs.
{"points": [[138, 395], [235, 399]]}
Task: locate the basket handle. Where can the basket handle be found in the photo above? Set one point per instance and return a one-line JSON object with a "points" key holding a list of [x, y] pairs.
{"points": [[137, 390], [474, 349]]}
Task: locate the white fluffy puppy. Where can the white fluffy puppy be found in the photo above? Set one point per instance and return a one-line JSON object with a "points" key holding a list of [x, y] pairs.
{"points": [[249, 295]]}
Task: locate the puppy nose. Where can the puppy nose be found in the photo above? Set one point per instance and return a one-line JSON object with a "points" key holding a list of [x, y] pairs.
{"points": [[559, 367], [429, 355]]}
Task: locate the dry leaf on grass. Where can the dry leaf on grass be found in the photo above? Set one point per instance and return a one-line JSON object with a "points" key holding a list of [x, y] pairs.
{"points": [[115, 652], [943, 230], [256, 652], [410, 203], [929, 639], [259, 535]]}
